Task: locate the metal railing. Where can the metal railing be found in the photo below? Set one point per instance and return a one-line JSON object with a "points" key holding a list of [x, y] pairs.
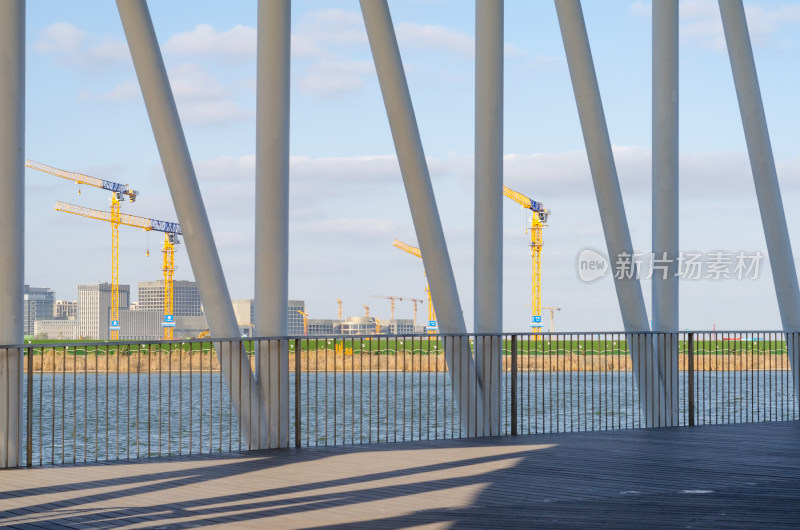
{"points": [[108, 401]]}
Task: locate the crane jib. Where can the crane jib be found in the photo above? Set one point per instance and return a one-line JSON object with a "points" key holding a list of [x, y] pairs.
{"points": [[165, 226], [114, 186]]}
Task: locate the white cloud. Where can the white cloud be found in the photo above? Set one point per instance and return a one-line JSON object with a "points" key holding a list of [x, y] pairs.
{"points": [[430, 37], [191, 82], [316, 171], [316, 32], [336, 77], [200, 97], [213, 112], [227, 168], [109, 51], [239, 42], [642, 8], [127, 91], [439, 38], [61, 38], [347, 227], [74, 46], [701, 24]]}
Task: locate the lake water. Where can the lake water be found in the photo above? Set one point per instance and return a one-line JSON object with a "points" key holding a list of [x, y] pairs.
{"points": [[97, 416]]}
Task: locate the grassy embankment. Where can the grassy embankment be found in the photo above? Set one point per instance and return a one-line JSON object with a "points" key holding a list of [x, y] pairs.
{"points": [[418, 354]]}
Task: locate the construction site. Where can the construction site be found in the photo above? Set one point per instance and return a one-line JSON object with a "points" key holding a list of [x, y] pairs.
{"points": [[365, 324]]}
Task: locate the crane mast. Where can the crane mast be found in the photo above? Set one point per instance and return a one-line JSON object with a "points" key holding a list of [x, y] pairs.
{"points": [[432, 326], [539, 217], [168, 268], [114, 327]]}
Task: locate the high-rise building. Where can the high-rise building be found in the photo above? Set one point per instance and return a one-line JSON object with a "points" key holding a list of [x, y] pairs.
{"points": [[38, 305], [66, 309], [295, 319], [94, 309], [185, 298]]}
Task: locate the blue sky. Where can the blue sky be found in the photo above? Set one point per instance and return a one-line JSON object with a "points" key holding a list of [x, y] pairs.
{"points": [[85, 113]]}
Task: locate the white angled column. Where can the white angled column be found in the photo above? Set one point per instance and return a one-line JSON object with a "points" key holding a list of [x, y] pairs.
{"points": [[12, 224], [489, 202], [665, 202], [765, 177], [609, 196], [191, 211], [272, 214], [424, 213]]}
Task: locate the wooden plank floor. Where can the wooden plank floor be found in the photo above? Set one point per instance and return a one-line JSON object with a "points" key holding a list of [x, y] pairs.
{"points": [[720, 476]]}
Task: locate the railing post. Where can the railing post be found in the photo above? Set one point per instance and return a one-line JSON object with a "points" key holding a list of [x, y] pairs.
{"points": [[297, 387], [29, 426], [690, 367], [513, 385]]}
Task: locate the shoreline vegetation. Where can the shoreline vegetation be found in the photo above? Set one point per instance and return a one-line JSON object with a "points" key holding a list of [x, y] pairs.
{"points": [[330, 360]]}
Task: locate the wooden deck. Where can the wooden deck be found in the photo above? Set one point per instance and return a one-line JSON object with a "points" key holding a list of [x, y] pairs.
{"points": [[721, 476]]}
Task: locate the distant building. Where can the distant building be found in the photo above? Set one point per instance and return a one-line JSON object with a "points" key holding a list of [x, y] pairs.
{"points": [[399, 326], [38, 305], [140, 325], [146, 325], [189, 327], [56, 329], [295, 319], [185, 298], [94, 309], [358, 326], [318, 326], [67, 309], [245, 311], [363, 325]]}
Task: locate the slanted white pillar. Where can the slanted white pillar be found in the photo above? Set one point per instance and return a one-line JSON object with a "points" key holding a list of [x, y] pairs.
{"points": [[12, 225], [665, 203], [272, 215], [609, 197], [489, 203], [191, 212], [424, 213], [765, 177]]}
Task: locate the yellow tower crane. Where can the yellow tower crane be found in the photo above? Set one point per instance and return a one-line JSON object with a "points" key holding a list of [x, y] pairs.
{"points": [[391, 303], [118, 194], [552, 317], [432, 326], [393, 299], [171, 231], [539, 219]]}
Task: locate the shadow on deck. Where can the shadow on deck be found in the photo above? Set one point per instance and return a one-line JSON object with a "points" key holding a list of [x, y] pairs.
{"points": [[744, 475]]}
